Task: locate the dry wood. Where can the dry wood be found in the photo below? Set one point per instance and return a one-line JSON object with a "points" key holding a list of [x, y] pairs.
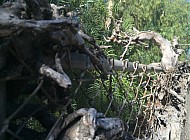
{"points": [[62, 79], [90, 124], [169, 57], [7, 27], [177, 96], [68, 36]]}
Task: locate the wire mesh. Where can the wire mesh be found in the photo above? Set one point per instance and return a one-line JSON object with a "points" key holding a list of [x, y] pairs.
{"points": [[132, 96], [127, 95]]}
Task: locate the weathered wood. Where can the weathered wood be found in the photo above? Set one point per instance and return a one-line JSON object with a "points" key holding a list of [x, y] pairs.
{"points": [[169, 57], [9, 23], [7, 27], [61, 78], [171, 117], [88, 124], [186, 134]]}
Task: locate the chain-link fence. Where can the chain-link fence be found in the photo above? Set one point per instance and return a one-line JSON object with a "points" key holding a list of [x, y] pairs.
{"points": [[144, 100], [138, 98], [110, 99]]}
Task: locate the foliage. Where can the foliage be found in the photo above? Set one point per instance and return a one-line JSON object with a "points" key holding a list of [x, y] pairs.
{"points": [[31, 123], [169, 18], [93, 19]]}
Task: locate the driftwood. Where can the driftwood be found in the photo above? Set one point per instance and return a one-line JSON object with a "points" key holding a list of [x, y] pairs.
{"points": [[88, 124], [40, 45], [171, 120], [61, 78], [169, 57], [40, 48], [169, 50]]}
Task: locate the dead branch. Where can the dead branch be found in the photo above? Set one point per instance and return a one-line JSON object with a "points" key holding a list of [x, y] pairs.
{"points": [[126, 48], [169, 57], [181, 99], [62, 79]]}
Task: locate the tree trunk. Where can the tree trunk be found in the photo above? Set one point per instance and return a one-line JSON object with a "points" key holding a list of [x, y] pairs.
{"points": [[2, 106], [186, 135]]}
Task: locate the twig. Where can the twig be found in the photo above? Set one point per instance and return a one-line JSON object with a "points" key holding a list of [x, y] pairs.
{"points": [[177, 96], [105, 47], [126, 48]]}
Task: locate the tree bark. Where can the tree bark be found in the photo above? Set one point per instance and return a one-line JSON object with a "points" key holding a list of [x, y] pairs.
{"points": [[186, 135], [2, 106], [169, 57]]}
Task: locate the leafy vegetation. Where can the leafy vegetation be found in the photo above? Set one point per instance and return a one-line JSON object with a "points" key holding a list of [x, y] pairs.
{"points": [[169, 18]]}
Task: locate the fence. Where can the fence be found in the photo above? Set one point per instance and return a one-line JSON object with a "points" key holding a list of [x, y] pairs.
{"points": [[134, 101], [149, 102]]}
